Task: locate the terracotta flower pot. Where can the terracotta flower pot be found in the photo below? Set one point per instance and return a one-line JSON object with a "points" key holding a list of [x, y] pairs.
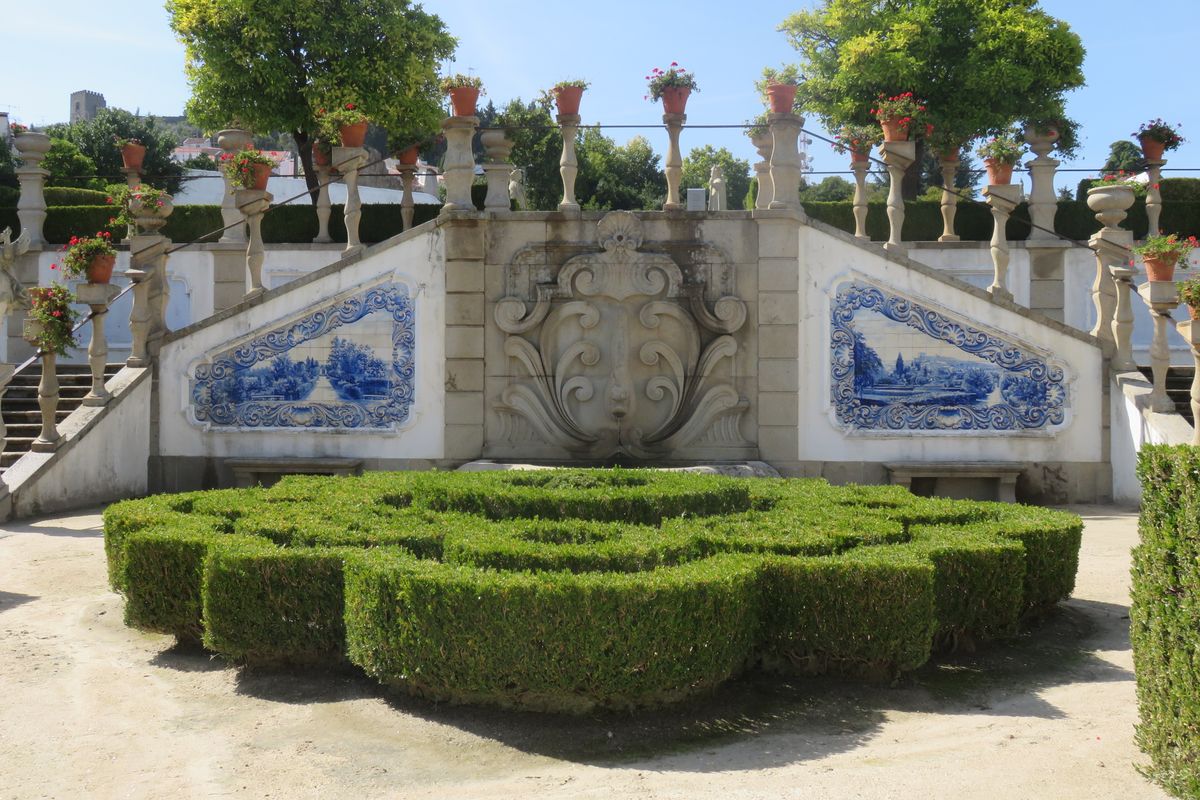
{"points": [[998, 173], [1193, 312], [262, 172], [100, 269], [1159, 269], [893, 130], [132, 155], [354, 135], [674, 99], [463, 100], [408, 156], [319, 156], [782, 97], [1152, 149], [567, 98], [860, 156]]}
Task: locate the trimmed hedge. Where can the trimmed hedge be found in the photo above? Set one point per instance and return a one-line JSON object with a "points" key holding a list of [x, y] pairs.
{"points": [[1165, 616], [574, 589]]}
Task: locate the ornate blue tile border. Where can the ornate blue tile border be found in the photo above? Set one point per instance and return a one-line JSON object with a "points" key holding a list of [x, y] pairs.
{"points": [[258, 384], [948, 377]]}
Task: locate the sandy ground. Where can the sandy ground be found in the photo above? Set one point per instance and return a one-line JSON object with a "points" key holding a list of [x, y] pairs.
{"points": [[92, 709]]}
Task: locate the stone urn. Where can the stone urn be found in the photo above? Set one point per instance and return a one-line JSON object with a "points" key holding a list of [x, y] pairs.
{"points": [[1110, 203], [150, 217], [231, 140], [1036, 135], [33, 144], [496, 145]]}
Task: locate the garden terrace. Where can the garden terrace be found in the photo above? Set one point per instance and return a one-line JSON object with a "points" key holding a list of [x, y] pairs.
{"points": [[575, 589]]}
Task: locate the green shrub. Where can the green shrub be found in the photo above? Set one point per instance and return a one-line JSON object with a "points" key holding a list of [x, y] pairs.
{"points": [[69, 196], [574, 589], [1165, 616]]}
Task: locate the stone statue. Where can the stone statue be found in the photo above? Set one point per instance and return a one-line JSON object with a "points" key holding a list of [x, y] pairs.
{"points": [[12, 293], [516, 188], [717, 199]]}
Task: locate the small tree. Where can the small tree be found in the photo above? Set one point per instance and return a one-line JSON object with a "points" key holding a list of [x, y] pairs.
{"points": [[68, 166], [96, 139], [619, 177], [697, 168]]}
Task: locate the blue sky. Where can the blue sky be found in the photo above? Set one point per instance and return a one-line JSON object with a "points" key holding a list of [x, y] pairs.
{"points": [[1140, 64]]}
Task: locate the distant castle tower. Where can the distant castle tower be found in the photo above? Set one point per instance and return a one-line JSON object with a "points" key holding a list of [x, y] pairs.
{"points": [[85, 104]]}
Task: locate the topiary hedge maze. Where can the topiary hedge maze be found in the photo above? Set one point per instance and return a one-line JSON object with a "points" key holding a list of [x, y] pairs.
{"points": [[574, 589]]}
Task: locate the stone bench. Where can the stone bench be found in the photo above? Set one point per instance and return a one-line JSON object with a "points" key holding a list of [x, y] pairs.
{"points": [[1004, 473], [266, 471]]}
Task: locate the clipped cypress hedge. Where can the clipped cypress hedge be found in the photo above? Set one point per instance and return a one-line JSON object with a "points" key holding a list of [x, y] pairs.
{"points": [[574, 589], [1165, 616]]}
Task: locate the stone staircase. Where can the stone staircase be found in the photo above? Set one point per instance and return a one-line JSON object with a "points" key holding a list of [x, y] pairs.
{"points": [[19, 406], [1179, 389]]}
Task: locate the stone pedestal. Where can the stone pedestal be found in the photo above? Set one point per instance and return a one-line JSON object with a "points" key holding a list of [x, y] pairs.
{"points": [[673, 166], [407, 176], [97, 296], [31, 206], [1047, 276], [568, 165], [348, 161], [1002, 198], [497, 148], [898, 156], [1112, 245], [324, 208], [253, 203], [785, 160], [1162, 298], [459, 162], [949, 199], [231, 141], [1043, 202], [148, 252], [860, 198], [1154, 197], [1190, 330], [762, 170], [1122, 324], [48, 439]]}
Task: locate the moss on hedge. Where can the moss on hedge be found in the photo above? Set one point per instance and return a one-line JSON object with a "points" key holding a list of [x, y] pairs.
{"points": [[573, 589]]}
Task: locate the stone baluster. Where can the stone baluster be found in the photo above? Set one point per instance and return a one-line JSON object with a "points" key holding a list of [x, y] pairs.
{"points": [[253, 203], [324, 207], [31, 206], [1122, 324], [97, 296], [1112, 245], [459, 163], [231, 141], [6, 374], [673, 166], [568, 165], [497, 148], [898, 156], [1003, 198], [407, 173], [133, 179], [949, 198], [762, 169], [1043, 202], [139, 318], [1154, 203], [148, 254], [1162, 298], [49, 438], [785, 160], [1190, 330], [348, 161], [860, 166]]}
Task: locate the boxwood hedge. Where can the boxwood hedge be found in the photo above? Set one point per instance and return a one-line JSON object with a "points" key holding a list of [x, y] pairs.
{"points": [[574, 589]]}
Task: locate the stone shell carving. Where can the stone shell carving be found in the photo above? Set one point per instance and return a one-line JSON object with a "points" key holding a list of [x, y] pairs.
{"points": [[619, 354]]}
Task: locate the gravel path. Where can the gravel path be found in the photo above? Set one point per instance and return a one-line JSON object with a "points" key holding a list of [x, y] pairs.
{"points": [[93, 709]]}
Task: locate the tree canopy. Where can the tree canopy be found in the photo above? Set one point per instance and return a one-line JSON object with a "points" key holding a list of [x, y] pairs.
{"points": [[95, 140], [697, 168], [270, 66], [618, 177]]}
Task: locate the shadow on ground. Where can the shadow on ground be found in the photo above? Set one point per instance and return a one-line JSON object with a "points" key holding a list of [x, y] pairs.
{"points": [[9, 600]]}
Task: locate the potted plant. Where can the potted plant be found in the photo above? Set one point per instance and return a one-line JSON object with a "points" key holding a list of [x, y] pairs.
{"points": [[51, 320], [673, 86], [464, 91], [139, 201], [133, 152], [1157, 137], [346, 123], [1189, 293], [898, 115], [778, 88], [408, 141], [1160, 254], [567, 96], [90, 257], [322, 152], [857, 140], [249, 169], [1001, 153]]}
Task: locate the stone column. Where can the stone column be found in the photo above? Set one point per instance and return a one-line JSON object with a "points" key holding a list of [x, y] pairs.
{"points": [[898, 156], [49, 439], [407, 172], [133, 179], [1043, 202], [139, 318], [497, 148], [231, 141], [31, 206], [1112, 245], [459, 163], [785, 160], [674, 163], [762, 170], [1003, 198], [148, 259], [1162, 298], [860, 198], [97, 296], [949, 199], [568, 165], [324, 208], [253, 203], [1190, 330], [1154, 196], [348, 161], [1122, 324]]}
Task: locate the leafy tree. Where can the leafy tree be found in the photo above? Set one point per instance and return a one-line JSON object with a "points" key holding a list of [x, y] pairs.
{"points": [[537, 147], [965, 176], [980, 65], [68, 166], [271, 66], [618, 177], [203, 161], [697, 167], [8, 166], [1124, 155], [831, 189], [96, 139]]}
